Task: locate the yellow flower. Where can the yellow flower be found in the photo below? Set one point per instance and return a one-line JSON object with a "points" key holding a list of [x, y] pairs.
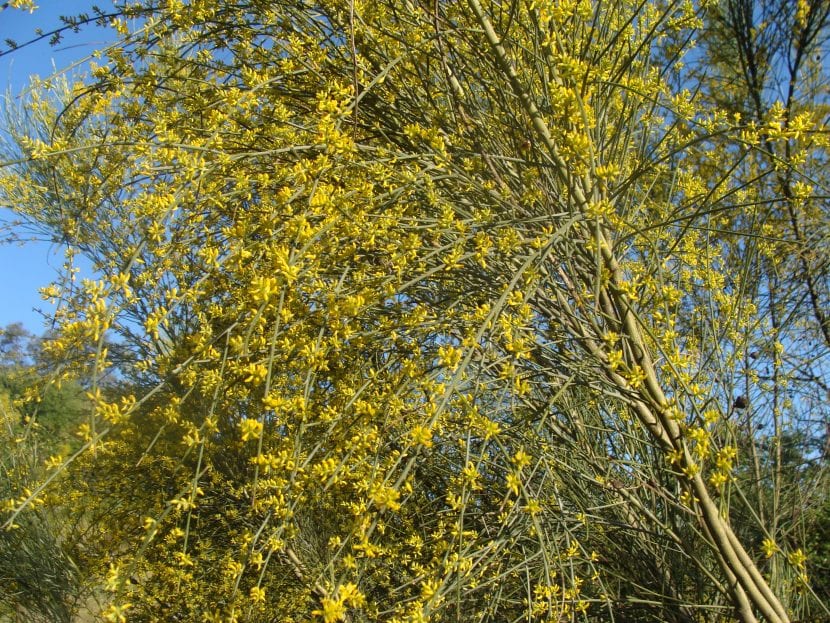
{"points": [[687, 499], [514, 482], [183, 560], [615, 359], [533, 507], [718, 479], [691, 469], [28, 5], [251, 429], [769, 547], [386, 498], [636, 376], [471, 476], [257, 594], [332, 611], [421, 436], [521, 459], [429, 589], [449, 356], [797, 558], [113, 580], [490, 429], [117, 614], [350, 593]]}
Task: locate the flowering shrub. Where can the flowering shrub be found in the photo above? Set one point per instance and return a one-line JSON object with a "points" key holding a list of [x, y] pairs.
{"points": [[430, 311]]}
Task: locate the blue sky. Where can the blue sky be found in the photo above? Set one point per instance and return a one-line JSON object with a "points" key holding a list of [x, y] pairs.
{"points": [[25, 269]]}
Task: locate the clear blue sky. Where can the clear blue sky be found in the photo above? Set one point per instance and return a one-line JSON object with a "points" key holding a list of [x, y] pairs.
{"points": [[25, 269]]}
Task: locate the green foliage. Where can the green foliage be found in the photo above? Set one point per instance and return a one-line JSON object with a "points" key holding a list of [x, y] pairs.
{"points": [[817, 543], [39, 579], [58, 408]]}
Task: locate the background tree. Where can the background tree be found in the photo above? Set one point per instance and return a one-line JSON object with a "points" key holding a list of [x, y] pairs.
{"points": [[434, 311], [766, 65], [39, 555]]}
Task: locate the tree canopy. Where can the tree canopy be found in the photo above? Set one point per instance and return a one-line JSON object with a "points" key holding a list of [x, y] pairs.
{"points": [[442, 311]]}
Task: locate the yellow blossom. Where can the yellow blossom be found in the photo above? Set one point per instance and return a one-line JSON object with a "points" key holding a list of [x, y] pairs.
{"points": [[251, 429], [257, 594]]}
